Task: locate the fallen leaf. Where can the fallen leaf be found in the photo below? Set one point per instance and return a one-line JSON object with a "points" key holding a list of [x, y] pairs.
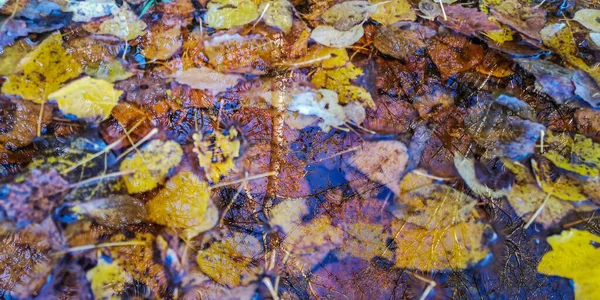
{"points": [[560, 186], [161, 41], [44, 70], [393, 11], [224, 14], [524, 19], [325, 108], [466, 168], [216, 152], [229, 260], [344, 16], [115, 212], [338, 80], [150, 165], [107, 278], [589, 18], [574, 255], [173, 207], [466, 20], [249, 54], [403, 40], [207, 79], [124, 24], [579, 154], [382, 162], [331, 37], [110, 71], [87, 98], [279, 14], [11, 56]]}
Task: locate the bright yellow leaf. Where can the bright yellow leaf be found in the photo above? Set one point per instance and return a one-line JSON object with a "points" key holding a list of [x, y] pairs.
{"points": [[561, 186], [184, 203], [224, 14], [10, 56], [229, 260], [216, 153], [151, 165], [107, 279], [87, 98], [579, 154], [575, 254], [338, 80], [392, 12], [44, 70], [326, 57]]}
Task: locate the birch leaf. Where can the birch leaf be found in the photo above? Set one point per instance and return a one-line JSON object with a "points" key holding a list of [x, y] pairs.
{"points": [[87, 98], [393, 11], [224, 14], [331, 37]]}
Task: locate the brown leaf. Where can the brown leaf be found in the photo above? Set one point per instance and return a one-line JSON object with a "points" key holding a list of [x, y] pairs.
{"points": [[468, 21]]}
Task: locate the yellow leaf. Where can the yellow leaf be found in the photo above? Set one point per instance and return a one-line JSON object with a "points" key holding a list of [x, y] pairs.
{"points": [[124, 24], [338, 80], [366, 240], [224, 14], [184, 203], [326, 57], [575, 254], [561, 186], [111, 71], [10, 57], [44, 70], [580, 154], [107, 279], [161, 42], [87, 98], [505, 34], [279, 14], [454, 247], [590, 18], [151, 165], [392, 12], [216, 153], [229, 260]]}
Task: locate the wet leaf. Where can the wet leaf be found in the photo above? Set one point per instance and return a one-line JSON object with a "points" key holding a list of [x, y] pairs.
{"points": [[207, 79], [175, 207], [279, 14], [331, 37], [107, 278], [393, 11], [116, 211], [150, 165], [574, 255], [560, 186], [224, 14], [217, 152], [382, 162], [338, 80], [11, 56], [229, 260], [525, 19], [466, 169], [44, 70], [402, 40], [161, 42], [87, 98], [111, 71], [124, 24], [345, 15], [325, 108], [579, 154], [589, 18], [467, 21]]}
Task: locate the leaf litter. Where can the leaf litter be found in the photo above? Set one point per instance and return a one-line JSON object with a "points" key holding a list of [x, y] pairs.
{"points": [[275, 149]]}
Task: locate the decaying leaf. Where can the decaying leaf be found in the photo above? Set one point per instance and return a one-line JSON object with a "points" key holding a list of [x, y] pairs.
{"points": [[331, 37], [382, 162], [402, 40], [393, 11], [466, 168], [590, 18], [150, 165], [525, 19], [44, 70], [216, 153], [184, 203], [224, 14], [574, 255], [87, 98], [207, 79], [229, 261], [11, 56]]}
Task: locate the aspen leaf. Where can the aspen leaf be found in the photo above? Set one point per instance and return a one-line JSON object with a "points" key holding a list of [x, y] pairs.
{"points": [[10, 57], [151, 165], [279, 14], [87, 98], [589, 18], [44, 70], [575, 255], [224, 14], [393, 11], [331, 37]]}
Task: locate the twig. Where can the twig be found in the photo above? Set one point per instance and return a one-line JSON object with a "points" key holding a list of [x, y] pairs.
{"points": [[89, 247], [537, 212]]}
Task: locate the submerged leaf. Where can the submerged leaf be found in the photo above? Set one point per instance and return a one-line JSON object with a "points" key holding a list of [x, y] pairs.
{"points": [[87, 98], [224, 14], [326, 108], [150, 165], [560, 186], [207, 79], [85, 11], [575, 254], [115, 211], [345, 15], [338, 80], [579, 154], [216, 153], [331, 37], [279, 14], [107, 278], [393, 11]]}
